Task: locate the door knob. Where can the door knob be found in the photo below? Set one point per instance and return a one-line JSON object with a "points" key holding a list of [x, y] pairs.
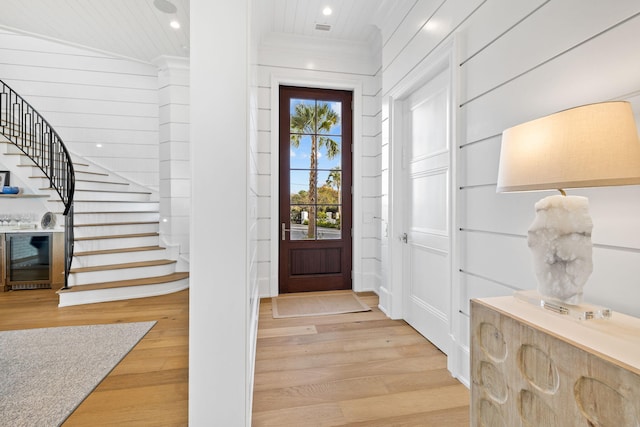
{"points": [[404, 237]]}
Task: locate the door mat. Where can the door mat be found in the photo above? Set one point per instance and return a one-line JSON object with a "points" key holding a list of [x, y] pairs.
{"points": [[317, 304]]}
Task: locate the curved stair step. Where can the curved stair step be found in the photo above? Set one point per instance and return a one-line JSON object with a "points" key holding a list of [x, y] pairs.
{"points": [[95, 217], [119, 241], [122, 290], [117, 256], [109, 224], [112, 195], [115, 251], [97, 229], [108, 205], [127, 283], [125, 271], [116, 236], [122, 266]]}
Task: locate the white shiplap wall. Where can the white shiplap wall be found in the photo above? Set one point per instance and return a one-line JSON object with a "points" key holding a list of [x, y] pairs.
{"points": [[520, 60], [339, 65], [174, 150], [90, 98]]}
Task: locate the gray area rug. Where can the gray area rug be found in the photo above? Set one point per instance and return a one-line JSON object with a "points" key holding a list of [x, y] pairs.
{"points": [[46, 373]]}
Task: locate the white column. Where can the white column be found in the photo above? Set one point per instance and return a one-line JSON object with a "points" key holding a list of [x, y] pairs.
{"points": [[174, 155], [219, 355]]}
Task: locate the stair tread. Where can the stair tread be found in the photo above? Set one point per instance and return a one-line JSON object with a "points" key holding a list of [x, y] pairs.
{"points": [[122, 266], [127, 283], [109, 224], [110, 212], [112, 191], [116, 236], [77, 172], [102, 182], [93, 173], [109, 201], [24, 196], [119, 250]]}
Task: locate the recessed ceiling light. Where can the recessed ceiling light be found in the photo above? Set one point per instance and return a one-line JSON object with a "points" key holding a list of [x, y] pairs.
{"points": [[175, 24], [99, 145], [327, 11], [165, 6]]}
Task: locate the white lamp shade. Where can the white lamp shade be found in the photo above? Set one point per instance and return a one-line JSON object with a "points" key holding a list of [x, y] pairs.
{"points": [[589, 146]]}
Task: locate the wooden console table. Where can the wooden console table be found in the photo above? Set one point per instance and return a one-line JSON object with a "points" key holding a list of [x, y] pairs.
{"points": [[532, 367]]}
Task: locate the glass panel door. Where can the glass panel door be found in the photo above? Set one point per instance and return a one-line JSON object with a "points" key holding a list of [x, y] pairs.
{"points": [[315, 171]]}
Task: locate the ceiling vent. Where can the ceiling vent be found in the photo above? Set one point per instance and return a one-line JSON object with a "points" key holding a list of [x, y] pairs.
{"points": [[323, 27]]}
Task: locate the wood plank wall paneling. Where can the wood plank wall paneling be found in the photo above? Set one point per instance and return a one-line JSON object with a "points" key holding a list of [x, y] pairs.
{"points": [[602, 69], [549, 24], [417, 47], [496, 18], [283, 57], [90, 98], [519, 61]]}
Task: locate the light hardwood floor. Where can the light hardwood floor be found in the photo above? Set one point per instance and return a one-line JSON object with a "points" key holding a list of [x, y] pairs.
{"points": [[359, 369], [150, 385]]}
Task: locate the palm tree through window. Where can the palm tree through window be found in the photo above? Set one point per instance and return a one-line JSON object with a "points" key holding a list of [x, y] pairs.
{"points": [[315, 133]]}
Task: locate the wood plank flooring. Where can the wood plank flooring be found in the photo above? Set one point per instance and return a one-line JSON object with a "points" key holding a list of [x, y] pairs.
{"points": [[150, 386], [359, 369]]}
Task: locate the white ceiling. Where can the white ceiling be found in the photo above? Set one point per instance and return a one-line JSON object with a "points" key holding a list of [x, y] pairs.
{"points": [[137, 29], [351, 20], [130, 28]]}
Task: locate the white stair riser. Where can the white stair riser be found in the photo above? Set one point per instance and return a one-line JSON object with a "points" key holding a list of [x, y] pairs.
{"points": [[97, 185], [96, 206], [124, 242], [29, 169], [117, 294], [89, 277], [111, 217], [38, 183], [114, 230], [112, 196], [118, 258]]}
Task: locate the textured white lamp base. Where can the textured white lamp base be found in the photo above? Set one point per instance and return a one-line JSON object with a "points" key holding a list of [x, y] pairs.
{"points": [[560, 242], [579, 311]]}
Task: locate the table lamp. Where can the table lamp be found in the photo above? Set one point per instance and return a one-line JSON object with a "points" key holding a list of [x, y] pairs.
{"points": [[589, 146]]}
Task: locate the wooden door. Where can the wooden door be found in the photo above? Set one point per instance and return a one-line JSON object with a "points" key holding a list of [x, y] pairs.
{"points": [[427, 211], [315, 133]]}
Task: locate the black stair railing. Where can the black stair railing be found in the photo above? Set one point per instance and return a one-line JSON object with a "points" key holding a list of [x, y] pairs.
{"points": [[24, 127]]}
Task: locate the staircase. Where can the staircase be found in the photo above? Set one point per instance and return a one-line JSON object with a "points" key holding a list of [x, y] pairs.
{"points": [[114, 238], [117, 251]]}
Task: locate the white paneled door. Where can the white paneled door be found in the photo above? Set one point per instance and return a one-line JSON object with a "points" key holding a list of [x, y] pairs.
{"points": [[427, 211]]}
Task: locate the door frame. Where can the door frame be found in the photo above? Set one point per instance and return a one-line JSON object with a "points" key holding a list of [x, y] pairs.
{"points": [[443, 58], [356, 240]]}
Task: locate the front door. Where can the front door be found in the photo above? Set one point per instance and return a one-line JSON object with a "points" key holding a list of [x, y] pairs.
{"points": [[315, 189], [427, 211]]}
